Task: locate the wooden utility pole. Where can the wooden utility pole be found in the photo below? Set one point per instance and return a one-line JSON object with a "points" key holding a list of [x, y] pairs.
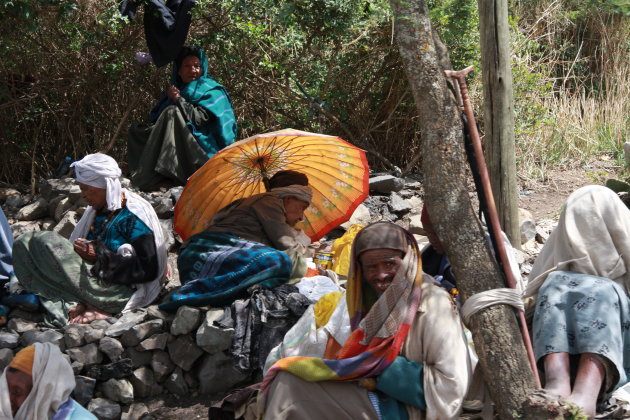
{"points": [[499, 113], [502, 356]]}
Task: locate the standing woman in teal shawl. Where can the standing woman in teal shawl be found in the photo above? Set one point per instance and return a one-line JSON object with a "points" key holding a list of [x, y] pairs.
{"points": [[193, 120]]}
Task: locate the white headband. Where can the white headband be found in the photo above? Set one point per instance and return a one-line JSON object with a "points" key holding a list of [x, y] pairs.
{"points": [[101, 171]]}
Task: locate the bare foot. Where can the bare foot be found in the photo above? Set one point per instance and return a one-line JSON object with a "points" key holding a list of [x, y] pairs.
{"points": [[85, 313], [586, 403], [92, 314], [75, 314]]}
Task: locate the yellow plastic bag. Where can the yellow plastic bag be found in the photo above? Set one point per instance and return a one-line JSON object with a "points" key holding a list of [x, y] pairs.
{"points": [[325, 307], [341, 250]]}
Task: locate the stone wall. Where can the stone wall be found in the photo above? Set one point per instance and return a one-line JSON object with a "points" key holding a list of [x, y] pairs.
{"points": [[140, 354]]}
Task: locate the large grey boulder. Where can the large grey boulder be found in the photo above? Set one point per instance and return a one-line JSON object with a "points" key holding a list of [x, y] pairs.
{"points": [[20, 325], [67, 224], [176, 384], [144, 384], [61, 208], [84, 389], [111, 347], [136, 411], [104, 409], [527, 226], [127, 321], [360, 216], [118, 390], [211, 338], [33, 211], [162, 365], [155, 342], [137, 333], [217, 374], [184, 352], [398, 205], [51, 188], [386, 184], [186, 320], [74, 335], [46, 336], [88, 354]]}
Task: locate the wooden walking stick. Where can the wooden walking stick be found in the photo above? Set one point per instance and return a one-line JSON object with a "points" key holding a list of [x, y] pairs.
{"points": [[486, 187]]}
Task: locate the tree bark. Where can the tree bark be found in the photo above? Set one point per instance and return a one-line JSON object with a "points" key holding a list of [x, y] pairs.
{"points": [[499, 113], [496, 334]]}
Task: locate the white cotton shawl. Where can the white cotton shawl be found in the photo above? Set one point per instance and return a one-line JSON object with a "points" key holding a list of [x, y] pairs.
{"points": [[53, 381], [592, 237], [145, 293], [100, 171]]}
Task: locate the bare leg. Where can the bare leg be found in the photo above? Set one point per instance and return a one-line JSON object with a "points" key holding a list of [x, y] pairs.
{"points": [[557, 374], [91, 314], [588, 381]]}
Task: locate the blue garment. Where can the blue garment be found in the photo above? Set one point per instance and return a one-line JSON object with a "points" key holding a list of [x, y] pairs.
{"points": [[215, 268], [582, 313], [6, 246], [124, 228], [72, 410], [204, 92], [403, 380]]}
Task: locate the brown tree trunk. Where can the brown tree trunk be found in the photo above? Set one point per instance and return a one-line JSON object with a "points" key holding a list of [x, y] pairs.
{"points": [[496, 334]]}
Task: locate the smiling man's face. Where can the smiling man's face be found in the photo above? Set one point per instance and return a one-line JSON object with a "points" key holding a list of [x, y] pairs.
{"points": [[379, 266]]}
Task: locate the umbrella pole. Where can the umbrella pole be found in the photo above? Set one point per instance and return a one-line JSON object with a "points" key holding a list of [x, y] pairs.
{"points": [[263, 173], [495, 225]]}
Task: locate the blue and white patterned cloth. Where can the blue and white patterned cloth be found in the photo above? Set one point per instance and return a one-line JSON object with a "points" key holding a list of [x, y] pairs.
{"points": [[581, 313], [215, 268]]}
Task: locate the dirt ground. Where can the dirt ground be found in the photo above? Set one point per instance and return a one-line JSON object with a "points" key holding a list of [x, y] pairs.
{"points": [[543, 199]]}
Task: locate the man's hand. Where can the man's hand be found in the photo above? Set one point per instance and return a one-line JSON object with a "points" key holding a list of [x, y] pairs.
{"points": [[173, 93], [85, 249], [368, 383]]}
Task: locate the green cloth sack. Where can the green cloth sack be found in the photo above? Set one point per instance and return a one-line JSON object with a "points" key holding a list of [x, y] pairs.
{"points": [[403, 380]]}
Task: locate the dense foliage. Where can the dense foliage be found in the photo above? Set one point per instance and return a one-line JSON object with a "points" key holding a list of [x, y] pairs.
{"points": [[73, 85]]}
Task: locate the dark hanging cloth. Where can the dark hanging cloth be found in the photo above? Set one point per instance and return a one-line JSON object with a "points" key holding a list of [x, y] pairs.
{"points": [[165, 26], [261, 322]]}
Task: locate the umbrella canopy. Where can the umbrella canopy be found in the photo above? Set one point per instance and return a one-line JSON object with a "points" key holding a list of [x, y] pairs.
{"points": [[337, 172]]}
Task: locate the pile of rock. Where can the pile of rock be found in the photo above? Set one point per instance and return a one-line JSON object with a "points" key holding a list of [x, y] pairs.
{"points": [[141, 354]]}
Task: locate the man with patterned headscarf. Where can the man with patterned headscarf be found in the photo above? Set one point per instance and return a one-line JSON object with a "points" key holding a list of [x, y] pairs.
{"points": [[250, 241], [115, 260], [37, 385], [406, 356]]}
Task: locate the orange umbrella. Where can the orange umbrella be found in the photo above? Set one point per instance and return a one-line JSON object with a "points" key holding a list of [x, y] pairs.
{"points": [[337, 172]]}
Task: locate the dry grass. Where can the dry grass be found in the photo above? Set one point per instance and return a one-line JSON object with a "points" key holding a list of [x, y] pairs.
{"points": [[579, 108]]}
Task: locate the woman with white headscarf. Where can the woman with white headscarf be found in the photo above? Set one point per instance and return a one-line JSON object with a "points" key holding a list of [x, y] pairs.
{"points": [[37, 385], [115, 260]]}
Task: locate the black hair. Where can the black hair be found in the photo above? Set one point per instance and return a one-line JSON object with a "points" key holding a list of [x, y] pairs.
{"points": [[286, 178], [186, 51]]}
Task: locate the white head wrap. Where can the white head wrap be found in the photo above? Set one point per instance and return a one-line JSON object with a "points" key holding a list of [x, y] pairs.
{"points": [[301, 192], [53, 381], [101, 171]]}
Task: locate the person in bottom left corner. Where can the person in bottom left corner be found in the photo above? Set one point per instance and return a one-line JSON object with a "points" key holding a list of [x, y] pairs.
{"points": [[37, 385], [114, 262]]}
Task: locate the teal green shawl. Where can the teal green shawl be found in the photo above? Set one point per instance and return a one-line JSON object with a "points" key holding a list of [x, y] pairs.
{"points": [[213, 97]]}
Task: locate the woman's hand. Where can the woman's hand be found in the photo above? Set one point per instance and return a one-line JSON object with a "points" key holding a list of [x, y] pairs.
{"points": [[173, 93], [85, 249]]}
